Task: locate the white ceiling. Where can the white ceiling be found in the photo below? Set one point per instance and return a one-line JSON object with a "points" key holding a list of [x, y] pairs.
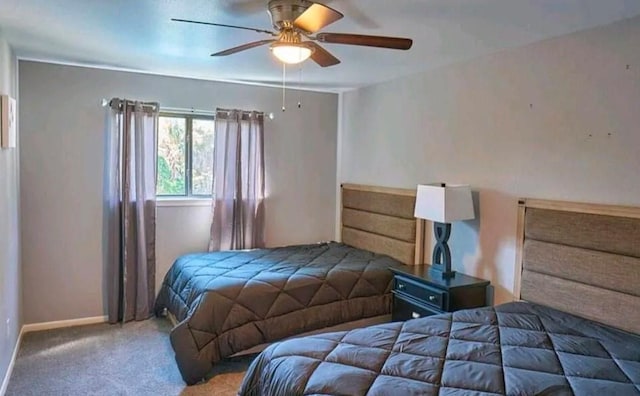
{"points": [[138, 35]]}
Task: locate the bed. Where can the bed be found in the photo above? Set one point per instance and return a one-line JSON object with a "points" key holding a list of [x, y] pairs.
{"points": [[576, 329], [229, 303]]}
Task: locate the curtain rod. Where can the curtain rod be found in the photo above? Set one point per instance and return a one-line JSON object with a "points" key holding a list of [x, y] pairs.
{"points": [[109, 102], [210, 113], [269, 116], [243, 111], [187, 111], [191, 110]]}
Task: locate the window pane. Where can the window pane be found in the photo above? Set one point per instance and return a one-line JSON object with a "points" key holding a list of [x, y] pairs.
{"points": [[171, 156], [202, 157]]}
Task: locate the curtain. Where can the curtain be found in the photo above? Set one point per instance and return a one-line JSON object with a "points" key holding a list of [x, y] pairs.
{"points": [[130, 208], [238, 181]]}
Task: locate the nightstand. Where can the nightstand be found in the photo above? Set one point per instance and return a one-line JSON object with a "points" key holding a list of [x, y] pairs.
{"points": [[416, 293]]}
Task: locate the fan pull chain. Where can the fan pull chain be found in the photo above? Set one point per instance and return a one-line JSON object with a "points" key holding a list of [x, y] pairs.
{"points": [[300, 86], [284, 85]]}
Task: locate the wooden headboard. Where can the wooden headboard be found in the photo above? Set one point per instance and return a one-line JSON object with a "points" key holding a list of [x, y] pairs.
{"points": [[581, 258], [380, 219]]}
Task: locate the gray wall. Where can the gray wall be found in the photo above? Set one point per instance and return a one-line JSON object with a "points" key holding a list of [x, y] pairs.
{"points": [[10, 290], [62, 165], [556, 119]]}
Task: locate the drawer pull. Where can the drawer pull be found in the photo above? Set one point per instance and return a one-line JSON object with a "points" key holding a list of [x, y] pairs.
{"points": [[415, 315], [433, 298], [401, 286]]}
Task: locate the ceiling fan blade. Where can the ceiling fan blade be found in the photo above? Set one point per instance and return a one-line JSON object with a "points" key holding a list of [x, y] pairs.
{"points": [[369, 41], [223, 25], [316, 17], [321, 56], [243, 47]]}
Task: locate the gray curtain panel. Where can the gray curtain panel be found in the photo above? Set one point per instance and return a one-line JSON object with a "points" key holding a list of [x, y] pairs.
{"points": [[238, 181], [130, 208]]}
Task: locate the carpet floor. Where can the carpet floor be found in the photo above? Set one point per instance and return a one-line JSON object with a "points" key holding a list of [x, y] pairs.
{"points": [[131, 359]]}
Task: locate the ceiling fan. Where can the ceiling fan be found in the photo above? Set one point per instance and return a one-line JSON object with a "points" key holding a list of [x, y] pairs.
{"points": [[297, 24]]}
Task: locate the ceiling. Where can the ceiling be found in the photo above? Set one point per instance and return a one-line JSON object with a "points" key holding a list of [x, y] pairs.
{"points": [[139, 35]]}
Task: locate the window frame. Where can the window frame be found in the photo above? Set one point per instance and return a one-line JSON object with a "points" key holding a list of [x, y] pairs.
{"points": [[188, 152]]}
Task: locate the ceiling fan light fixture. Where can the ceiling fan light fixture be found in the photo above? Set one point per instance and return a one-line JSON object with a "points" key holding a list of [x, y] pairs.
{"points": [[291, 53]]}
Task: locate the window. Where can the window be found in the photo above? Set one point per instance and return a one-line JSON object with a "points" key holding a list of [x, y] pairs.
{"points": [[185, 155]]}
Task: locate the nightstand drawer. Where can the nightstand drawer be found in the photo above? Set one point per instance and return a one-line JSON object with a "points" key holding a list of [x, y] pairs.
{"points": [[405, 308], [420, 292]]}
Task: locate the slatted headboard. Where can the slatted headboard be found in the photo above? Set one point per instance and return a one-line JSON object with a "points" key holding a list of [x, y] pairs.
{"points": [[380, 219], [581, 258]]}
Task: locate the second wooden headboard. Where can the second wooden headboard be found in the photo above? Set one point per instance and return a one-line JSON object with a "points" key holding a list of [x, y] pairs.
{"points": [[380, 219], [581, 258]]}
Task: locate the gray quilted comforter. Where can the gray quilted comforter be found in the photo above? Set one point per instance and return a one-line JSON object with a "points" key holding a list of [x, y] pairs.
{"points": [[227, 302], [511, 349]]}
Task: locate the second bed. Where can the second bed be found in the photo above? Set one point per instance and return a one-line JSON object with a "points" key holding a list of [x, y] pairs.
{"points": [[578, 333]]}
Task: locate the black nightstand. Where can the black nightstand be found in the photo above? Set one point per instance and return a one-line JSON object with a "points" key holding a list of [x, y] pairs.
{"points": [[416, 293]]}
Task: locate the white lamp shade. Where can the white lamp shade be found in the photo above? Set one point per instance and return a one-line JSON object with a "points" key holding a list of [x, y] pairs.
{"points": [[291, 53], [446, 204]]}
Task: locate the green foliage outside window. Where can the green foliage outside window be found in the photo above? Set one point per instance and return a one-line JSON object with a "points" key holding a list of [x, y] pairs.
{"points": [[171, 156], [174, 133], [167, 185], [202, 157]]}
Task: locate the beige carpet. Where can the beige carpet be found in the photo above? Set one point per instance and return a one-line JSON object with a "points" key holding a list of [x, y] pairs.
{"points": [[134, 359]]}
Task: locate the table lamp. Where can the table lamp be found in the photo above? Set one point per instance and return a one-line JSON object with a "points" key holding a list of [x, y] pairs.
{"points": [[443, 204]]}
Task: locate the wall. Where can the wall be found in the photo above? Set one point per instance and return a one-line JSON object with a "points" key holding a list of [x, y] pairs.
{"points": [[10, 292], [556, 119], [62, 166]]}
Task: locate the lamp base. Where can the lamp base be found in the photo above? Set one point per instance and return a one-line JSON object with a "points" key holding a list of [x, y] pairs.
{"points": [[443, 274], [441, 260]]}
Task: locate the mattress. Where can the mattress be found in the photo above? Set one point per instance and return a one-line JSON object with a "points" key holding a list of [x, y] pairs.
{"points": [[227, 302], [512, 349]]}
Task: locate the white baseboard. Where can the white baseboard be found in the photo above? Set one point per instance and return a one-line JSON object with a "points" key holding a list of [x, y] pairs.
{"points": [[63, 323], [43, 326], [7, 375]]}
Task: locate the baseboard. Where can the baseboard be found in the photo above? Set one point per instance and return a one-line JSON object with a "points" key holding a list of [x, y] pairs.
{"points": [[43, 326], [7, 375], [63, 323]]}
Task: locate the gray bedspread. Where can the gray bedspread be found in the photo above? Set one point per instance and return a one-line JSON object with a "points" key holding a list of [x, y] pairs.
{"points": [[511, 349], [227, 302]]}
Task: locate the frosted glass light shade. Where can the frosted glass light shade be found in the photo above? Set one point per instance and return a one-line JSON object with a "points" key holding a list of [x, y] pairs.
{"points": [[291, 53], [444, 203]]}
